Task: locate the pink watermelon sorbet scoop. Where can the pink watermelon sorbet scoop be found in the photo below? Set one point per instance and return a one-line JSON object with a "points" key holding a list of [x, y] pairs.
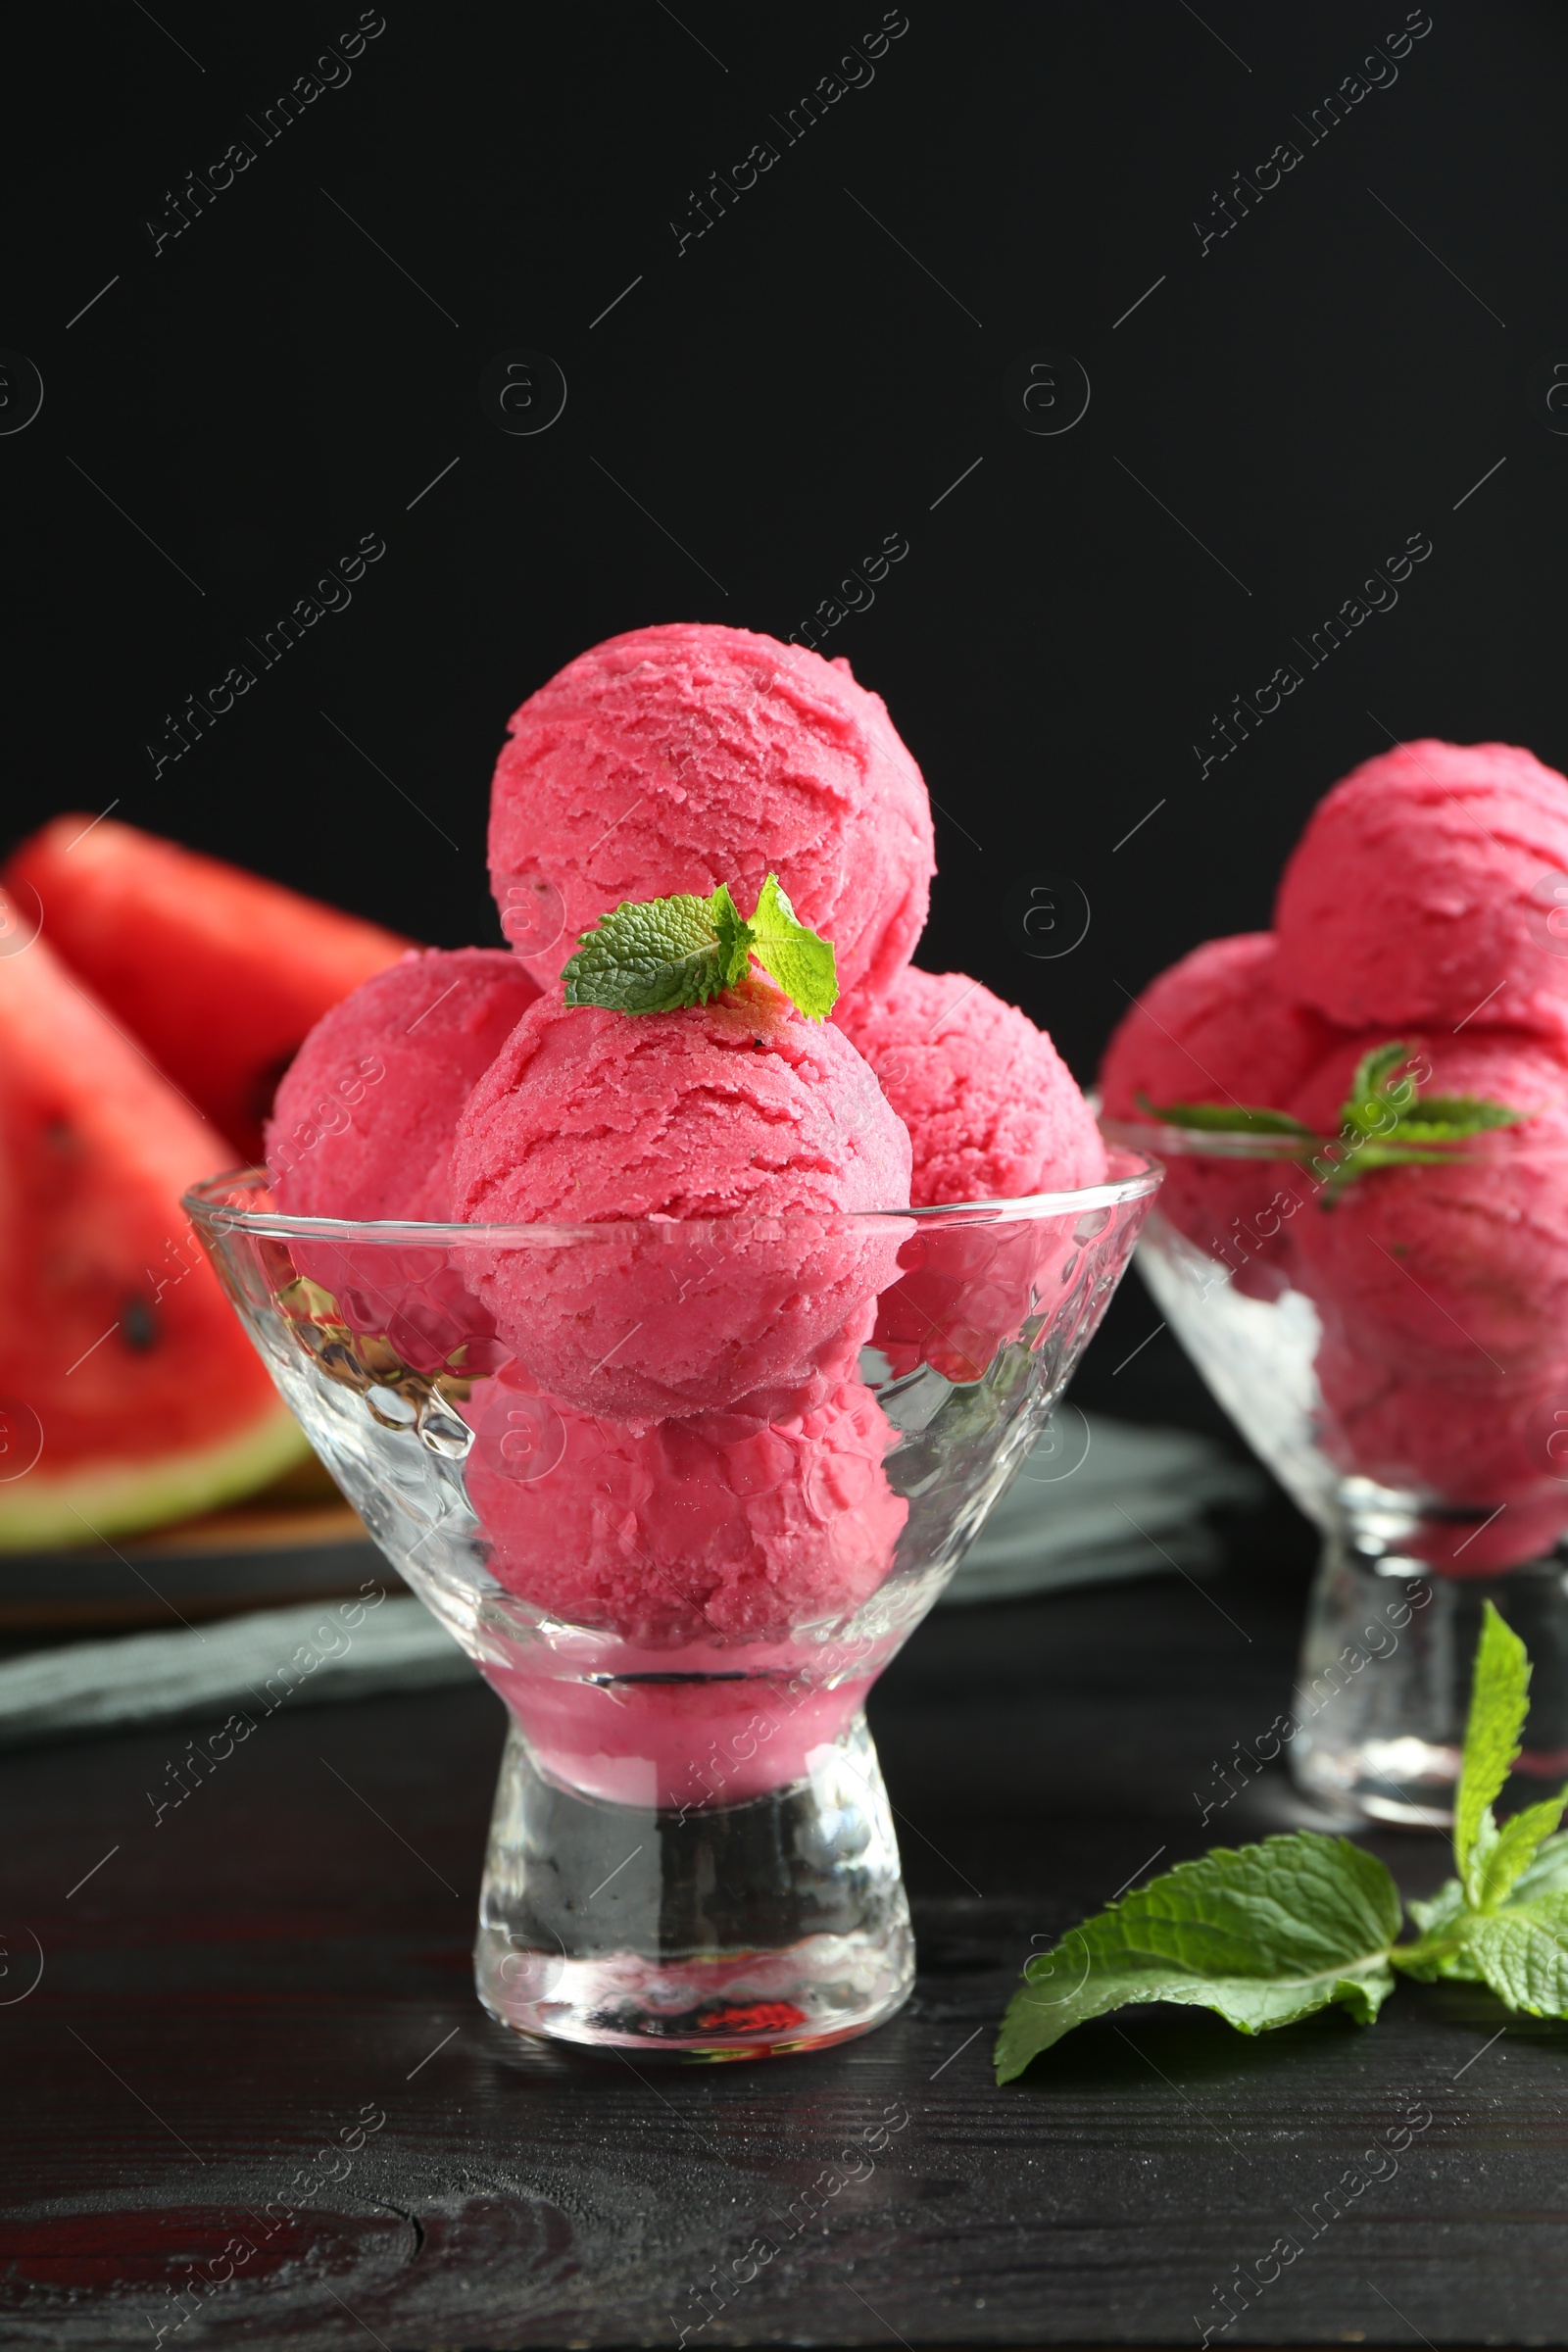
{"points": [[994, 1113], [1217, 1027], [707, 1160], [366, 1113], [1460, 1268], [721, 1527], [1430, 886], [676, 757]]}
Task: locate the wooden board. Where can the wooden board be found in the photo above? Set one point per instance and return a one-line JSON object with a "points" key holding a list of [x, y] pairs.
{"points": [[297, 1540]]}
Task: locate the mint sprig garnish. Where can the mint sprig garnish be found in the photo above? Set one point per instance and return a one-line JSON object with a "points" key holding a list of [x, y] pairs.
{"points": [[1385, 1121], [1504, 1921], [659, 954], [665, 954], [1264, 1935], [1499, 1700], [794, 958]]}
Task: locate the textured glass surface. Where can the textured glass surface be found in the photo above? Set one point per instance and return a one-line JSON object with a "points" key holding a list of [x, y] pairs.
{"points": [[681, 1490]]}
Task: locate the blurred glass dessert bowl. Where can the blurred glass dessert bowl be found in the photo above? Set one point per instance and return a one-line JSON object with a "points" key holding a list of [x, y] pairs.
{"points": [[1363, 1240], [1392, 1345], [691, 1849]]}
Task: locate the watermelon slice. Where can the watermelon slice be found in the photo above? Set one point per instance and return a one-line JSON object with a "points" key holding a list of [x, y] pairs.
{"points": [[220, 974], [130, 1393]]}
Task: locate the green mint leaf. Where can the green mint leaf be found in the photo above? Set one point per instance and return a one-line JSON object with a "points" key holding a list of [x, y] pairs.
{"points": [[1500, 1698], [1390, 1124], [1440, 1911], [663, 955], [1223, 1118], [1522, 1953], [1371, 1097], [1419, 1144], [1382, 1124], [1519, 1869], [1510, 1853], [1426, 1149], [655, 956], [1264, 1935], [1547, 1874], [1447, 1117], [800, 964], [1441, 1950], [733, 934], [1527, 1963]]}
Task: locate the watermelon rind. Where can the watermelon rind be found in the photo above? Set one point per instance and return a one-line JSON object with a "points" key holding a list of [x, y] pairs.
{"points": [[109, 1497]]}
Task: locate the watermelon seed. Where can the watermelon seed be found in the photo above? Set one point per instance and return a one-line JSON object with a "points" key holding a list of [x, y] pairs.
{"points": [[139, 1324]]}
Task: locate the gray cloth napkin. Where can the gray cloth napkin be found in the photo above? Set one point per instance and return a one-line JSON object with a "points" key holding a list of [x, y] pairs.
{"points": [[253, 1666], [1096, 1500]]}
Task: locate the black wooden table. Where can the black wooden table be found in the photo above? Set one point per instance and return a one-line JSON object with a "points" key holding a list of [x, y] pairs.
{"points": [[251, 2099]]}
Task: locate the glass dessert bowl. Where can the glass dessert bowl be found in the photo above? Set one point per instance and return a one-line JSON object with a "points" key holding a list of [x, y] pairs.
{"points": [[681, 1490], [1394, 1347]]}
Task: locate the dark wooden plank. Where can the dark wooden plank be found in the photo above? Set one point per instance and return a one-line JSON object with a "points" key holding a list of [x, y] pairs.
{"points": [[284, 1954]]}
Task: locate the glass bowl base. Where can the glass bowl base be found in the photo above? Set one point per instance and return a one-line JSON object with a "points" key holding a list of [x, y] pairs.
{"points": [[718, 1932], [1408, 1783], [1382, 1687], [826, 1990], [1411, 1783]]}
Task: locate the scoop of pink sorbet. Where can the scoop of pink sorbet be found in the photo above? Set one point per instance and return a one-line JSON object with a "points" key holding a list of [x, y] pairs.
{"points": [[1490, 1450], [1454, 1268], [1217, 1027], [737, 1133], [993, 1111], [721, 1526], [364, 1116], [1431, 885], [676, 757]]}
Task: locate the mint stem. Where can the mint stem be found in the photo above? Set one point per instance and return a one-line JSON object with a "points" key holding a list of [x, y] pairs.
{"points": [[1382, 1124]]}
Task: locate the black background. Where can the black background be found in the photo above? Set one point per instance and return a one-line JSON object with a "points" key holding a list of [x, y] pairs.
{"points": [[791, 387]]}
